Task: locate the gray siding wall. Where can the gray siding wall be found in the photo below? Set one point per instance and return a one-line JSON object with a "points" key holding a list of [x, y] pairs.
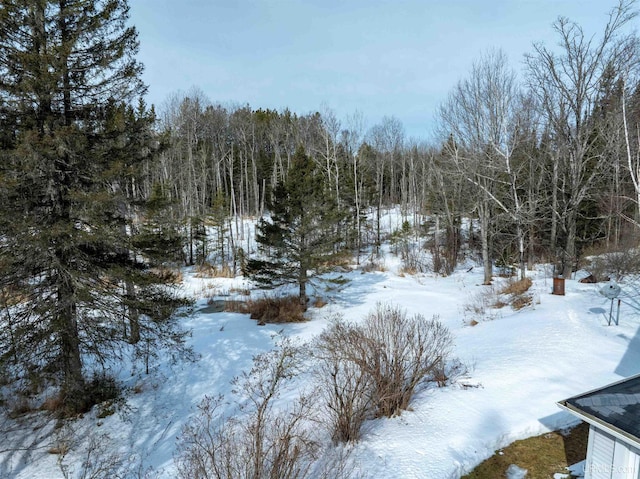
{"points": [[610, 458]]}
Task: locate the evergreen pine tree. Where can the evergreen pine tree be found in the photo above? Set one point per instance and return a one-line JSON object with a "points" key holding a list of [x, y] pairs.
{"points": [[69, 151], [302, 231]]}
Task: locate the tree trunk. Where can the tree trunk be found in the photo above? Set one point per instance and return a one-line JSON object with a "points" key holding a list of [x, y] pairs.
{"points": [[133, 314], [521, 256], [73, 390], [554, 208], [570, 247], [484, 236], [303, 285]]}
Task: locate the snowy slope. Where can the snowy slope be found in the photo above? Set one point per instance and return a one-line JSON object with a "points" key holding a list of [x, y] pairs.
{"points": [[520, 364]]}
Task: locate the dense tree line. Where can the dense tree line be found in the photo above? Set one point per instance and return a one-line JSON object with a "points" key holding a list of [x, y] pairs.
{"points": [[544, 165]]}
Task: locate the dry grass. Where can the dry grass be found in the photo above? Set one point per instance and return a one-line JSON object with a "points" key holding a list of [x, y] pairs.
{"points": [[207, 270], [61, 449], [542, 456], [53, 404], [19, 408], [12, 296], [319, 303], [234, 306], [517, 288], [167, 275], [499, 304], [373, 266], [240, 291], [285, 309], [342, 260], [479, 302], [522, 301]]}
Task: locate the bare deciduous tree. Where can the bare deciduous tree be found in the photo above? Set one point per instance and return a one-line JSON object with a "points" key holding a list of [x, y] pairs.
{"points": [[479, 116], [566, 85]]}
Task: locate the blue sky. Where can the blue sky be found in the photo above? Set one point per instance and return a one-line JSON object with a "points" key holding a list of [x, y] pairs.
{"points": [[382, 58]]}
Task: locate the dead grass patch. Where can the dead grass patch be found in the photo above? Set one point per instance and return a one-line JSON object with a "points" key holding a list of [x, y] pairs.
{"points": [[167, 275], [20, 408], [12, 296], [319, 303], [373, 266], [61, 449], [53, 404], [286, 309], [234, 306], [341, 260], [208, 270], [240, 291], [499, 304], [542, 456], [522, 301], [517, 287]]}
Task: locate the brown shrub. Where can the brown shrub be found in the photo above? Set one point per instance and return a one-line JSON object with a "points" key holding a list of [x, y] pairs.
{"points": [[286, 309], [517, 287]]}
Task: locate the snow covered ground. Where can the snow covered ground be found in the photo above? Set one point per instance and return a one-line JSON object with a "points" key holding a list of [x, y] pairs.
{"points": [[520, 364]]}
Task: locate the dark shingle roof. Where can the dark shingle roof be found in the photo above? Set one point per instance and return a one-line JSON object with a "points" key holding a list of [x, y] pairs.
{"points": [[616, 406]]}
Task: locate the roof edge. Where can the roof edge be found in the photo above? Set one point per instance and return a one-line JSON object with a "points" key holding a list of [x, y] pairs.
{"points": [[595, 390], [597, 422]]}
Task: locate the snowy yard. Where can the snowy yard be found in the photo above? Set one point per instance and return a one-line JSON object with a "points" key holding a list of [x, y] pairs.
{"points": [[520, 364]]}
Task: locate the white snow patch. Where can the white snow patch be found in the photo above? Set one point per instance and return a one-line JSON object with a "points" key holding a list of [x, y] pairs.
{"points": [[516, 472]]}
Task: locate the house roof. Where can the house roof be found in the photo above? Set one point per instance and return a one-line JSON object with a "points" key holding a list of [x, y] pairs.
{"points": [[615, 407]]}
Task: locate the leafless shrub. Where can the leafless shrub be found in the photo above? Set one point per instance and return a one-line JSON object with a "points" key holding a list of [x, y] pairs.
{"points": [[261, 442], [498, 304], [478, 306], [615, 264], [448, 372], [416, 260], [97, 460], [345, 387], [373, 369], [373, 264], [400, 353]]}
